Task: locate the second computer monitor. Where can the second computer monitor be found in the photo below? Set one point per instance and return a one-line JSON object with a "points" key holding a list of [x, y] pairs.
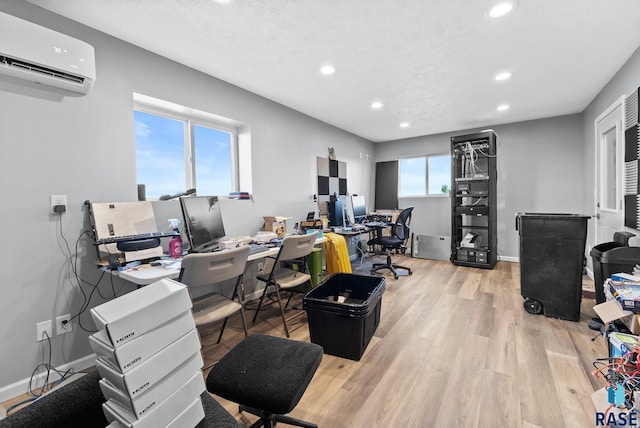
{"points": [[359, 208]]}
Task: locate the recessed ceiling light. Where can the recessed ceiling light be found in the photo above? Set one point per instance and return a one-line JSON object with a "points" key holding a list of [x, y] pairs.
{"points": [[376, 105], [500, 9], [327, 69], [503, 76], [222, 1], [404, 125], [503, 107]]}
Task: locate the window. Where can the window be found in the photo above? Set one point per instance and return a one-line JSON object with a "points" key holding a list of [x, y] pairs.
{"points": [[424, 175], [176, 152]]}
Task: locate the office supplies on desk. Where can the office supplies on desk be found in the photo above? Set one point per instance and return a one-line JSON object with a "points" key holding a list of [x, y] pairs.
{"points": [[265, 236]]}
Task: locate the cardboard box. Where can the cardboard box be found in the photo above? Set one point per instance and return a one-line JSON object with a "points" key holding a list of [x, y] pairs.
{"points": [[165, 412], [141, 378], [621, 344], [278, 225], [139, 350], [611, 311], [140, 311], [140, 404]]}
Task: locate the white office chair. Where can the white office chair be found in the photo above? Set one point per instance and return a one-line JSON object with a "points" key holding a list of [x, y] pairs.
{"points": [[294, 250], [207, 269]]}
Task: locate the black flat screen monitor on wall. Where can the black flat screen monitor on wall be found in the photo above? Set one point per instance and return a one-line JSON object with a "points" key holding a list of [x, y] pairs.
{"points": [[203, 222]]}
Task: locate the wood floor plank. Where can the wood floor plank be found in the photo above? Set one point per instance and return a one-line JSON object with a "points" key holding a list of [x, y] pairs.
{"points": [[571, 384], [539, 398]]}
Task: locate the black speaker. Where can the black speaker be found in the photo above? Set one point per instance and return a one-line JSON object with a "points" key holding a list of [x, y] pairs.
{"points": [[138, 244], [142, 192]]}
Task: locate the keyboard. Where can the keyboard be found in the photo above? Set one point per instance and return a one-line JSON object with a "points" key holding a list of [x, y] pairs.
{"points": [[257, 248], [137, 237]]}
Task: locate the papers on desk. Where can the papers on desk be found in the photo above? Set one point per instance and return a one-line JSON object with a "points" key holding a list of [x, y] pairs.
{"points": [[171, 263]]}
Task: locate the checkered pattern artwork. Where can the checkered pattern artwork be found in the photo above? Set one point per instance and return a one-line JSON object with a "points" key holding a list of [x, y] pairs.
{"points": [[631, 161], [332, 180]]}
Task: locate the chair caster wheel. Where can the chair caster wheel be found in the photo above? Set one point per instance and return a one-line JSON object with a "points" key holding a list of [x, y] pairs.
{"points": [[532, 306]]}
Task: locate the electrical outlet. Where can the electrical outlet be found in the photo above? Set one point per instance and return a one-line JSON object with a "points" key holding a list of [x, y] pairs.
{"points": [[42, 328], [58, 201], [63, 324]]}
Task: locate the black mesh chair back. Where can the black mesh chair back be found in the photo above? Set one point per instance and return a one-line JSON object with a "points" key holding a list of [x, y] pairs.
{"points": [[397, 241]]}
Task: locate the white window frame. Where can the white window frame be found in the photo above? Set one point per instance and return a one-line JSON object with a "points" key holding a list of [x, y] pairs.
{"points": [[191, 118]]}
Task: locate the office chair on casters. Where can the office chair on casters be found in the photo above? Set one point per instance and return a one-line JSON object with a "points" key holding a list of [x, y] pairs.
{"points": [[266, 376], [207, 269], [294, 250], [396, 241]]}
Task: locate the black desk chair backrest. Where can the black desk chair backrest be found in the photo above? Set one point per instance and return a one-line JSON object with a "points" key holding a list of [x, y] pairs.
{"points": [[396, 241], [400, 229]]}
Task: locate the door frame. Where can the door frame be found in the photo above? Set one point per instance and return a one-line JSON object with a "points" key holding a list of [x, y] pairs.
{"points": [[620, 102]]}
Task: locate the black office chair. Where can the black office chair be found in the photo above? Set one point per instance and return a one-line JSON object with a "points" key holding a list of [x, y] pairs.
{"points": [[396, 241], [267, 377]]}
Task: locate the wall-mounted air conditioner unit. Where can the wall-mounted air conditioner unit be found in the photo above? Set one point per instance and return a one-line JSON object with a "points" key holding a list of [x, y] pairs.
{"points": [[38, 54]]}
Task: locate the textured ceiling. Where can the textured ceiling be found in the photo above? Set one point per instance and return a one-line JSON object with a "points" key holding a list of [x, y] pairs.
{"points": [[430, 62]]}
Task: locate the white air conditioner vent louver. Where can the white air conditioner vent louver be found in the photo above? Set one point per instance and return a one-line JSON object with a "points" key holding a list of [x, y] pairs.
{"points": [[34, 68]]}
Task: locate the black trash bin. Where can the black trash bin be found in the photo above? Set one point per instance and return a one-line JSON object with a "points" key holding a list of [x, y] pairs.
{"points": [[552, 252], [612, 257], [343, 312]]}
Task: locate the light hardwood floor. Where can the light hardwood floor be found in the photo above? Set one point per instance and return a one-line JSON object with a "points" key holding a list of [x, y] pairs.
{"points": [[454, 348]]}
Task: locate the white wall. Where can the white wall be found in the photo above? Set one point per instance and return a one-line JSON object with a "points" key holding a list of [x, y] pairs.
{"points": [[83, 147]]}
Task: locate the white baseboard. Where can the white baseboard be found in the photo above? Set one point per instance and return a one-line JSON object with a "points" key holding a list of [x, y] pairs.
{"points": [[22, 386], [509, 259]]}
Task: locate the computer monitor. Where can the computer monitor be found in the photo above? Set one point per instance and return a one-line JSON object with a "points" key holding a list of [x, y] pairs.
{"points": [[203, 222], [359, 208], [336, 215]]}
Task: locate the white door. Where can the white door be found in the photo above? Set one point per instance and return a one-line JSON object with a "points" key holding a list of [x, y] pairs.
{"points": [[609, 172]]}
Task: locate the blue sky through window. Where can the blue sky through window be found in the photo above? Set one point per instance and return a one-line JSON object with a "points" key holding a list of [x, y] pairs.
{"points": [[439, 174], [160, 158], [412, 176], [213, 161]]}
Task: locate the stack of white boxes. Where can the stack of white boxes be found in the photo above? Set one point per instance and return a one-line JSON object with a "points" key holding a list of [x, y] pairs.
{"points": [[149, 358]]}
